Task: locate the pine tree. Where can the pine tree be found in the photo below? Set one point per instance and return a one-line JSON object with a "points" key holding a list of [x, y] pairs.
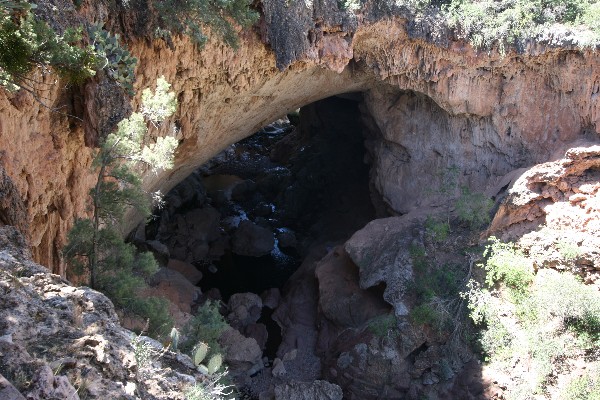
{"points": [[95, 246]]}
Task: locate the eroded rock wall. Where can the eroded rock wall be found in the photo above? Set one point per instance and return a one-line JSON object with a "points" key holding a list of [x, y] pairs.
{"points": [[433, 107]]}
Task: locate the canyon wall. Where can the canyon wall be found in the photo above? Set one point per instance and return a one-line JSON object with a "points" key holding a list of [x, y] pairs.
{"points": [[428, 107]]}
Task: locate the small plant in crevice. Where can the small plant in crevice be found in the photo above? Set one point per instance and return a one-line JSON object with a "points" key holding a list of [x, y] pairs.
{"points": [[115, 57], [214, 387], [437, 230], [383, 325], [507, 263], [568, 250]]}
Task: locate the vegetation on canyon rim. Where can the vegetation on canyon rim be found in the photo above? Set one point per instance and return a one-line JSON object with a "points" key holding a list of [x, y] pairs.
{"points": [[513, 23], [549, 318]]}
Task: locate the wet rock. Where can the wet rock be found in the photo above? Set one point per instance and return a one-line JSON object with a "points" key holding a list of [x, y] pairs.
{"points": [[286, 239], [243, 190], [263, 209], [252, 240], [321, 390], [202, 224], [188, 270]]}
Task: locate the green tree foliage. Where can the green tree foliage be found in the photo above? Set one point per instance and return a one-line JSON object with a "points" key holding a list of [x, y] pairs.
{"points": [[26, 43], [512, 22], [95, 246], [188, 17]]}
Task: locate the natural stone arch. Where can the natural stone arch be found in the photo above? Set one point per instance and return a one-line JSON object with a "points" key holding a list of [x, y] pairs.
{"points": [[534, 103]]}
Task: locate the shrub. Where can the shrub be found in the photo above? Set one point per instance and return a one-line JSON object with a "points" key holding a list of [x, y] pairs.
{"points": [[424, 314], [187, 17], [114, 56], [26, 43], [586, 387], [206, 326], [474, 208], [568, 250], [554, 318], [215, 387], [512, 22], [382, 325], [506, 263], [95, 246], [437, 230]]}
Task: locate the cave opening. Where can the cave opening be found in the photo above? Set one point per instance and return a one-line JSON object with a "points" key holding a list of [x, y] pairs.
{"points": [[244, 221], [247, 217]]}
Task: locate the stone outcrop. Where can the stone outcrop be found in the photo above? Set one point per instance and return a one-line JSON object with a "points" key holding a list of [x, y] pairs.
{"points": [[552, 209], [59, 341]]}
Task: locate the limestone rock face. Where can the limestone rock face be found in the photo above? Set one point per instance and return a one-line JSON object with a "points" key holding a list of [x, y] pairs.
{"points": [[59, 341], [552, 209], [430, 107]]}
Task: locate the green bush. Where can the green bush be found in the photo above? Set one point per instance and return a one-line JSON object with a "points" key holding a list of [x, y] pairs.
{"points": [[507, 264], [586, 387], [26, 43], [437, 230], [424, 314], [474, 208], [95, 246], [188, 17], [206, 326], [505, 23], [555, 318], [382, 325]]}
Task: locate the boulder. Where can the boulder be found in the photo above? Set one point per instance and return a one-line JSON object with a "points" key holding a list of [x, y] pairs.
{"points": [[244, 309], [381, 250], [252, 240], [203, 224], [188, 270], [271, 298], [258, 332], [243, 355], [175, 287], [286, 239], [341, 300]]}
